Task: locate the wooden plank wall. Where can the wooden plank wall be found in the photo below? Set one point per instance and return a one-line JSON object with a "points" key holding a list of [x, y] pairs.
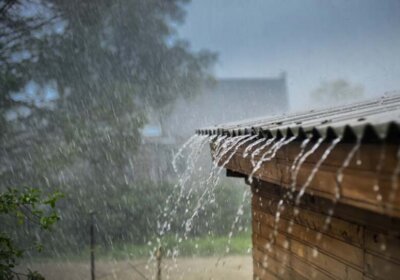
{"points": [[373, 166], [357, 244]]}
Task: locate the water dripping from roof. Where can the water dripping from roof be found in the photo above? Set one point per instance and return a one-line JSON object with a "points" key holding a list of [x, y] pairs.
{"points": [[194, 148], [237, 146], [302, 157], [302, 160], [395, 182], [259, 149], [376, 186], [239, 214], [232, 144], [340, 171], [316, 167], [338, 187], [251, 146], [270, 154], [180, 151]]}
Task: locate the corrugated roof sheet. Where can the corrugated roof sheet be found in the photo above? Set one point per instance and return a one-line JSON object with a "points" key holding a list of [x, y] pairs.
{"points": [[372, 120]]}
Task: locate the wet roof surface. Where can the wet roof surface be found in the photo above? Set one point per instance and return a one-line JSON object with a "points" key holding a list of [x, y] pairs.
{"points": [[372, 120]]}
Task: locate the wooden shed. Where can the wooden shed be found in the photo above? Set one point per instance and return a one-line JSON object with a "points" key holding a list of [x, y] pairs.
{"points": [[325, 198]]}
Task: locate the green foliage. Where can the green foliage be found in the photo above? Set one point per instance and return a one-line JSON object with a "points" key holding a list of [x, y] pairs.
{"points": [[210, 245], [107, 63], [27, 206], [34, 275], [131, 216], [219, 216], [203, 246]]}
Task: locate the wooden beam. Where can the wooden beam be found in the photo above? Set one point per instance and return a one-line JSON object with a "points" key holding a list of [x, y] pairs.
{"points": [[367, 181]]}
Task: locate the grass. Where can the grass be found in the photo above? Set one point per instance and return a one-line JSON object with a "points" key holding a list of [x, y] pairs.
{"points": [[195, 247], [199, 246]]}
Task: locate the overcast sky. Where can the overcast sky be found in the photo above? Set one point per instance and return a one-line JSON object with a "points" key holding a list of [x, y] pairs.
{"points": [[312, 40]]}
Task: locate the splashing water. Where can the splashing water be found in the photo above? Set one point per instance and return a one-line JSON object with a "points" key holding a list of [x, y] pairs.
{"points": [[259, 149], [257, 164], [219, 144], [303, 145], [316, 168], [239, 214], [340, 172], [222, 150], [251, 146], [180, 151], [213, 178], [230, 144], [311, 176], [195, 147], [216, 177], [288, 194], [270, 154], [302, 159], [237, 146], [338, 187], [192, 149], [300, 154]]}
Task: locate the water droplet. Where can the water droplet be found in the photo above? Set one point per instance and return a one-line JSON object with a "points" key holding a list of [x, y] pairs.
{"points": [[328, 220], [315, 252], [340, 177], [286, 244]]}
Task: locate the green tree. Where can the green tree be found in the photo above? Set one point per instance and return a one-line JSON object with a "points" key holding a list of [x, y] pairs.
{"points": [[20, 32], [22, 207], [93, 71]]}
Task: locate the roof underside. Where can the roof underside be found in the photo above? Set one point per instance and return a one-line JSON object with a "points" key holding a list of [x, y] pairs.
{"points": [[369, 121]]}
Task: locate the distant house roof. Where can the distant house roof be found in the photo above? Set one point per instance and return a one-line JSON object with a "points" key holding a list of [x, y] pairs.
{"points": [[370, 120], [228, 100]]}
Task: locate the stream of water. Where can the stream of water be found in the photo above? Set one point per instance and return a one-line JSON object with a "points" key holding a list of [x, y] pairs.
{"points": [[259, 151]]}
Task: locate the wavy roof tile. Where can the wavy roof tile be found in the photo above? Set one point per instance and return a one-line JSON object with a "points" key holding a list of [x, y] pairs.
{"points": [[369, 121]]}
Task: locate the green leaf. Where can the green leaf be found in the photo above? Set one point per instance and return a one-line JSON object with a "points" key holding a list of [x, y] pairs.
{"points": [[34, 275]]}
